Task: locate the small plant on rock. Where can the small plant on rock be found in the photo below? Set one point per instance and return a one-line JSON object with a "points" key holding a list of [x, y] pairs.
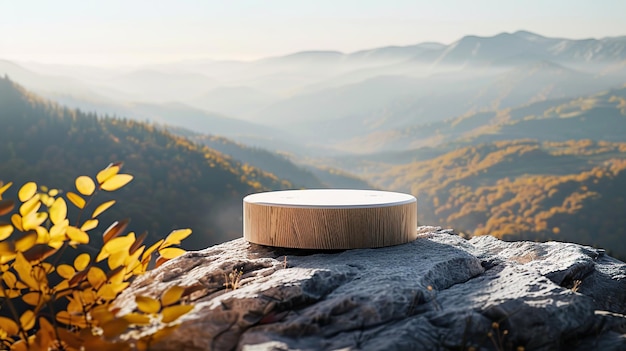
{"points": [[49, 304]]}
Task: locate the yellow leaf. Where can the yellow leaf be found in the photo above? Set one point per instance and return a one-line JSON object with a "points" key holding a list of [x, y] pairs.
{"points": [[116, 275], [6, 229], [70, 319], [45, 199], [57, 231], [32, 298], [32, 205], [23, 269], [71, 338], [102, 314], [76, 199], [61, 289], [20, 345], [176, 236], [16, 219], [96, 277], [106, 292], [6, 206], [102, 207], [114, 327], [171, 313], [114, 245], [147, 304], [58, 211], [33, 220], [117, 259], [7, 250], [27, 320], [53, 192], [9, 326], [85, 185], [9, 279], [107, 173], [119, 287], [76, 235], [48, 267], [27, 191], [171, 252], [26, 242], [65, 271], [151, 249], [172, 295], [89, 225], [43, 237], [116, 182], [82, 261], [45, 335], [160, 334], [137, 318], [41, 277], [4, 188]]}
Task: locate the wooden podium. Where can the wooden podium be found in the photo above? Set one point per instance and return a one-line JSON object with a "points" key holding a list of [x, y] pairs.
{"points": [[329, 218]]}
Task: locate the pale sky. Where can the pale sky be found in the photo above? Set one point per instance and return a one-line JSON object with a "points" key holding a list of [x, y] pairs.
{"points": [[116, 32]]}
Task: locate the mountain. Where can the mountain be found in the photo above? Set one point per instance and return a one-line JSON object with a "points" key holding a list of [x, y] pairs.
{"points": [[281, 164], [523, 189], [175, 114], [44, 82], [527, 46], [326, 98], [177, 183], [150, 85], [600, 116], [239, 101]]}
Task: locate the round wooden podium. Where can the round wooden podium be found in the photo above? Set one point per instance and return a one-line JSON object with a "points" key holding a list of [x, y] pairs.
{"points": [[329, 218]]}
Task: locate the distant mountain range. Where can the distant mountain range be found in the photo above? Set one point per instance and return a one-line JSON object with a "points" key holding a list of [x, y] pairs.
{"points": [[323, 98], [516, 135], [600, 116]]}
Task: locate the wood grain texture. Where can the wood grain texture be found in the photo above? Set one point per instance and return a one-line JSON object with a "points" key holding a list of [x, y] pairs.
{"points": [[329, 228]]}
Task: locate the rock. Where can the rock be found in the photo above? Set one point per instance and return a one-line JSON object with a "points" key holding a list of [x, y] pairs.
{"points": [[440, 292]]}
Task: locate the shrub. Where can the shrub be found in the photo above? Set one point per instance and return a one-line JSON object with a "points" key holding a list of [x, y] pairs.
{"points": [[55, 297]]}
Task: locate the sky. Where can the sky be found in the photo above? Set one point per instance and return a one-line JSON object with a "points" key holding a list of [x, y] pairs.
{"points": [[128, 32]]}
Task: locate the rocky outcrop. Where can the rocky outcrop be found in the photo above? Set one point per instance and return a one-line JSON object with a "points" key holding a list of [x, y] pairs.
{"points": [[440, 292]]}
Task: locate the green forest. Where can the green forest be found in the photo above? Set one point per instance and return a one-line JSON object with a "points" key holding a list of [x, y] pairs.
{"points": [[177, 183], [524, 189]]}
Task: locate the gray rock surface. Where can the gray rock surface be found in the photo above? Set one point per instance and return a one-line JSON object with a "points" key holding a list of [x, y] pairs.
{"points": [[440, 292]]}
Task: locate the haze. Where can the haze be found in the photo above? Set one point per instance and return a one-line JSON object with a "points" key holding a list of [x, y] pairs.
{"points": [[147, 31]]}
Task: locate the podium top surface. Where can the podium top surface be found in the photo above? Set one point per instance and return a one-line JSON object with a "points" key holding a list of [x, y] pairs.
{"points": [[330, 198]]}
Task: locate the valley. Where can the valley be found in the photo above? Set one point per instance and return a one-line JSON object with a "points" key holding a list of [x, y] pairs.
{"points": [[515, 135]]}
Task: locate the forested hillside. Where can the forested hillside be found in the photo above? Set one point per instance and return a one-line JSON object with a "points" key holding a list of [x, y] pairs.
{"points": [[311, 176], [177, 183], [597, 116], [524, 189]]}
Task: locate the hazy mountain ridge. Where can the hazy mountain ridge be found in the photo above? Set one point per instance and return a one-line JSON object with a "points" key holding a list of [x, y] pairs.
{"points": [[284, 165], [177, 183], [600, 116], [322, 98]]}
